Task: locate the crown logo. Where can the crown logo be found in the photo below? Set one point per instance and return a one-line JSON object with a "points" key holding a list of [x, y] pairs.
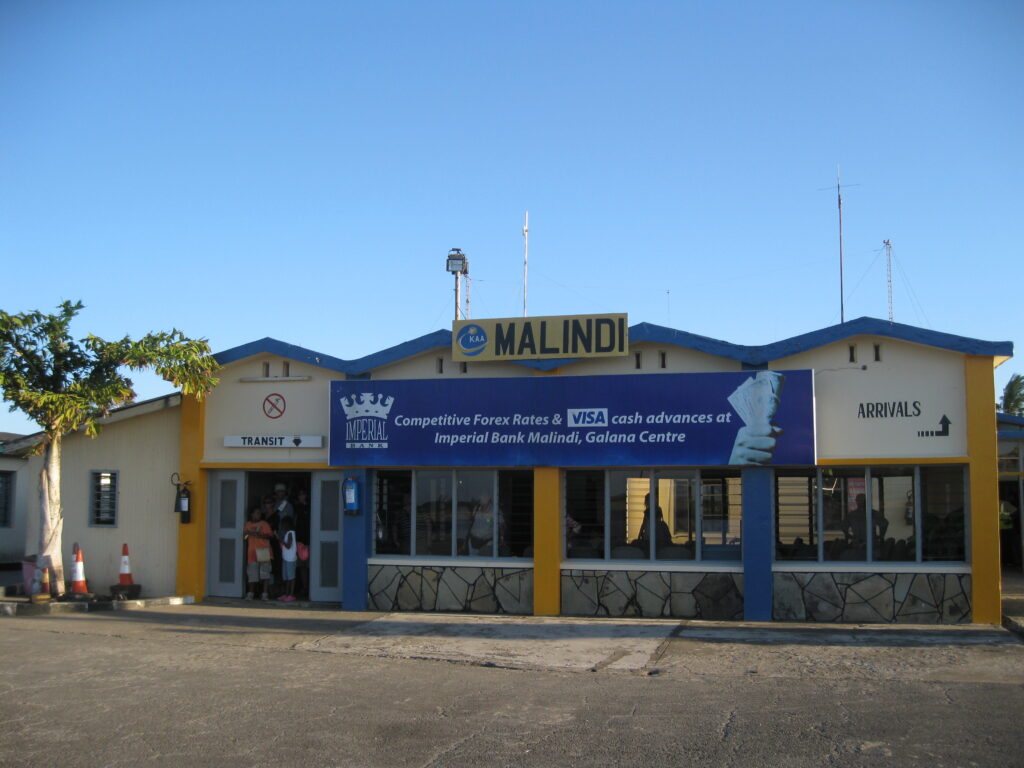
{"points": [[367, 404]]}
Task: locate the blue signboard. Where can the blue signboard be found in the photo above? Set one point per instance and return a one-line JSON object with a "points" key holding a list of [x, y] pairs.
{"points": [[689, 419]]}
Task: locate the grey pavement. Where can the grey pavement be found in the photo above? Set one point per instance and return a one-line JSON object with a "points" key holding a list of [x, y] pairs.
{"points": [[226, 685]]}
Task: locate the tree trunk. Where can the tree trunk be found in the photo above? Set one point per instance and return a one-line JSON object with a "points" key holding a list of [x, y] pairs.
{"points": [[51, 517]]}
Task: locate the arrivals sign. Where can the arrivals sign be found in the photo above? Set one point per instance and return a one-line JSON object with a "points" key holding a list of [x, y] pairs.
{"points": [[698, 419], [538, 338]]}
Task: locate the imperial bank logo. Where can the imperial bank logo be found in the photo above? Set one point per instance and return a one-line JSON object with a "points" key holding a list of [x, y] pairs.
{"points": [[472, 340], [366, 417]]}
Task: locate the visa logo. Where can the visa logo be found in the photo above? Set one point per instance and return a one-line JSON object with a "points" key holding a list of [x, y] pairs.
{"points": [[587, 417]]}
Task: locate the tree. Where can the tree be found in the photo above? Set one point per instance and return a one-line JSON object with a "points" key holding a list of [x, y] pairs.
{"points": [[66, 386], [1012, 401]]}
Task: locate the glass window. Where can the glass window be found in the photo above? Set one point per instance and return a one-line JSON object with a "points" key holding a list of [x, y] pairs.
{"points": [[493, 513], [476, 519], [394, 513], [892, 514], [584, 513], [629, 496], [515, 510], [6, 498], [103, 498], [844, 504], [434, 513], [942, 513], [1009, 456], [721, 504], [676, 505], [796, 515]]}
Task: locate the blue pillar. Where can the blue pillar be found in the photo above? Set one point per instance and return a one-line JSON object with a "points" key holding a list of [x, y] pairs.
{"points": [[758, 543], [356, 547]]}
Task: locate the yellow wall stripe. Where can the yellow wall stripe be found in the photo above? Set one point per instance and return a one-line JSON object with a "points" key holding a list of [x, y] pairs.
{"points": [[891, 462], [547, 541], [982, 448], [191, 577]]}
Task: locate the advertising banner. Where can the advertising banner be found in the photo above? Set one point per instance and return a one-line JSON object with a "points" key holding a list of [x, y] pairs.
{"points": [[698, 419], [539, 338]]}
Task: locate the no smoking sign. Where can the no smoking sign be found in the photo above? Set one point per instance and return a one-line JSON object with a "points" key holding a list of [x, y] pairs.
{"points": [[273, 406]]}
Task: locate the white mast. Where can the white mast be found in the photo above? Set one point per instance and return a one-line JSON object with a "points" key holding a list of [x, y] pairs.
{"points": [[526, 257], [888, 272]]}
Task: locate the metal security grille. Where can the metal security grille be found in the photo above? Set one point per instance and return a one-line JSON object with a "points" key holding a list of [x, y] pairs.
{"points": [[103, 498]]}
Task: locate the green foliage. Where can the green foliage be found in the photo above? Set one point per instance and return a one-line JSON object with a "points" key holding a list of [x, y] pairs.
{"points": [[1012, 401], [66, 385]]}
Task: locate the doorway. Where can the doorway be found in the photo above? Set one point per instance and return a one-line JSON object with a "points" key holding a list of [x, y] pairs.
{"points": [[312, 499]]}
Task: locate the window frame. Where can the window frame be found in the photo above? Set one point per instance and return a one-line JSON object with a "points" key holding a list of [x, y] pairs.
{"points": [[94, 483], [8, 481], [870, 564], [453, 558], [652, 562]]}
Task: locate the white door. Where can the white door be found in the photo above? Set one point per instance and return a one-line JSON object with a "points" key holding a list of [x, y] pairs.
{"points": [[225, 518], [325, 532]]}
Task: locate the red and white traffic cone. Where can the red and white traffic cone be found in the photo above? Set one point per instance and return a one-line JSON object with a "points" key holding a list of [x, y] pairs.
{"points": [[78, 585], [125, 577]]}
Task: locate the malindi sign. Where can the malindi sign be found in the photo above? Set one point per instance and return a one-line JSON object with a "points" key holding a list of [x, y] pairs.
{"points": [[539, 338]]}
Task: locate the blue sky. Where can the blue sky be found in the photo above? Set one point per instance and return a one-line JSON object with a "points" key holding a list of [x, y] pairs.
{"points": [[299, 170]]}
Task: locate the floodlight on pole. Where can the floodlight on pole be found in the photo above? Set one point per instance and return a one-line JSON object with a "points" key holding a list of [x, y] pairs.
{"points": [[458, 265]]}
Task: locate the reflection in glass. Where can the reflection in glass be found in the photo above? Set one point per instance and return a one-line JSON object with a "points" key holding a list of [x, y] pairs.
{"points": [[845, 525], [721, 515], [393, 534], [434, 513], [796, 515], [942, 513], [892, 514], [584, 514], [515, 513], [476, 520], [627, 493], [675, 493]]}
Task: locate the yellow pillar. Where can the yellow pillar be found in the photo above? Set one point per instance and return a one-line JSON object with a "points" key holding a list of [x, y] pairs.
{"points": [[191, 577], [982, 452], [547, 541]]}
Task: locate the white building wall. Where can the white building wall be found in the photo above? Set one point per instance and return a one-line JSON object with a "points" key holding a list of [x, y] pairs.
{"points": [[236, 407], [144, 451], [677, 360], [879, 408], [425, 366]]}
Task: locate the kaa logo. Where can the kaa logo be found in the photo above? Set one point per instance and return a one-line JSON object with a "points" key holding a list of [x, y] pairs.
{"points": [[472, 340], [587, 417]]}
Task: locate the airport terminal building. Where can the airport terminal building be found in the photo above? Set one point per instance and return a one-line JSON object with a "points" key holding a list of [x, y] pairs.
{"points": [[572, 466]]}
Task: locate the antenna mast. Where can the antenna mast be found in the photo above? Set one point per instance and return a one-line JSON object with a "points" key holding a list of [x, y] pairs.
{"points": [[526, 257], [839, 199], [888, 272]]}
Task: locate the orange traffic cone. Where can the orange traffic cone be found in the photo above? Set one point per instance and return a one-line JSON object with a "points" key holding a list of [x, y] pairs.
{"points": [[78, 585], [125, 578], [44, 584]]}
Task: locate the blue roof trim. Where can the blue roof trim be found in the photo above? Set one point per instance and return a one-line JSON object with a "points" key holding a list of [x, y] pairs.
{"points": [[1011, 434], [662, 335], [275, 347], [752, 357], [441, 338], [875, 327], [1009, 418]]}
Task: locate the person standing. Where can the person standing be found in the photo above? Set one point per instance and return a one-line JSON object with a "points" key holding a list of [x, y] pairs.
{"points": [[259, 555]]}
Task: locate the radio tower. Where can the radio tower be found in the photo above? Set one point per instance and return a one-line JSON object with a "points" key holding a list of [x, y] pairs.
{"points": [[888, 272]]}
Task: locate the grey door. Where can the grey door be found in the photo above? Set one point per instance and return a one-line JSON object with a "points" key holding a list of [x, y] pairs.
{"points": [[325, 532], [225, 566]]}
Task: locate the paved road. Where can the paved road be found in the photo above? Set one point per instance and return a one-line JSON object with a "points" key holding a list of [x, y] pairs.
{"points": [[225, 686]]}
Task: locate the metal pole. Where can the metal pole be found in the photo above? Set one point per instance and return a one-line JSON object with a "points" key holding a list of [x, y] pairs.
{"points": [[839, 198], [526, 257], [888, 272], [458, 298]]}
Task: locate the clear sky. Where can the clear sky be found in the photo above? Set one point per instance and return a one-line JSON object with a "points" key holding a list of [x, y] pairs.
{"points": [[299, 170]]}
